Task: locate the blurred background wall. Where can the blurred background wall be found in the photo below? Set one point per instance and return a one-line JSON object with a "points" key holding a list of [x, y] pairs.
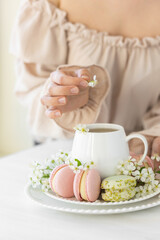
{"points": [[14, 133]]}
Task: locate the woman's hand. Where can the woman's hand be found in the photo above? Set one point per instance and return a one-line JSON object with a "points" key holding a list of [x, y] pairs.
{"points": [[67, 91], [136, 145]]}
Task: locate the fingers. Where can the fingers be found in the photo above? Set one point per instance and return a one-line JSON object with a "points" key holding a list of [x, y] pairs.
{"points": [[156, 150], [62, 79], [53, 113], [136, 146], [156, 146], [56, 90], [49, 101]]}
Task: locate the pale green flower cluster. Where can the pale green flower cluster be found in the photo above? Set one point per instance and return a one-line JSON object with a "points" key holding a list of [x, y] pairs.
{"points": [[93, 82], [145, 176], [82, 128]]}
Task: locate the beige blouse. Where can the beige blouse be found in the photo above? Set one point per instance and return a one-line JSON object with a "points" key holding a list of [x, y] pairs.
{"points": [[128, 70]]}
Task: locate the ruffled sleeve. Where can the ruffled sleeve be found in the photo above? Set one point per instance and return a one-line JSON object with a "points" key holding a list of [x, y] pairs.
{"points": [[38, 35], [151, 121], [39, 45]]}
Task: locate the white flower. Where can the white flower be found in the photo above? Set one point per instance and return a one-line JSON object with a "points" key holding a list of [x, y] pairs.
{"points": [[126, 167], [155, 185], [121, 165], [93, 82], [91, 164], [139, 191], [82, 128], [129, 160], [133, 159], [140, 175], [156, 157], [150, 175], [86, 166], [130, 167]]}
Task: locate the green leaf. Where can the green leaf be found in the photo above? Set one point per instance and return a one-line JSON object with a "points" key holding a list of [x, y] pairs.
{"points": [[52, 161], [48, 168], [78, 162], [141, 169], [46, 176], [158, 172]]}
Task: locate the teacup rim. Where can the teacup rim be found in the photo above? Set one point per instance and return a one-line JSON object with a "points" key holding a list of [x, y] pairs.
{"points": [[104, 125]]}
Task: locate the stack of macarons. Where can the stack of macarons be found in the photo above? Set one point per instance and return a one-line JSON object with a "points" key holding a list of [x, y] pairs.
{"points": [[84, 185], [118, 188]]}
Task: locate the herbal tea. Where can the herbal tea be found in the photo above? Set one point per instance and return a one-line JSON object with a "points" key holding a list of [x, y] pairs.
{"points": [[102, 130]]}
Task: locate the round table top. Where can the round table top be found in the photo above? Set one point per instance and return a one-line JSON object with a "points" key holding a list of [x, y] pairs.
{"points": [[20, 218]]}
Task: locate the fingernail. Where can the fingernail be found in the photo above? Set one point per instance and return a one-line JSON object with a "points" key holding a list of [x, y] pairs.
{"points": [[85, 77], [84, 83], [57, 114], [61, 100], [74, 90]]}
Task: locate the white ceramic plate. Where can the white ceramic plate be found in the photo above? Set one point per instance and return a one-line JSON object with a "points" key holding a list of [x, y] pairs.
{"points": [[42, 199], [100, 202]]}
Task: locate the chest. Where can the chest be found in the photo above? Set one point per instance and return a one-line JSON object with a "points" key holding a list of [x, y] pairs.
{"points": [[112, 16]]}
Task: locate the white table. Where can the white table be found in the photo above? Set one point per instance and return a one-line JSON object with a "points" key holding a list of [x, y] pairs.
{"points": [[22, 219]]}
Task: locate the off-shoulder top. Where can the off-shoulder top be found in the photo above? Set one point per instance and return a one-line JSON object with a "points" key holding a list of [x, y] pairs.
{"points": [[128, 71]]}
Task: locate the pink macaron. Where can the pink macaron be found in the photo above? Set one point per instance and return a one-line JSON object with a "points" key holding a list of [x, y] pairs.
{"points": [[86, 185], [61, 181]]}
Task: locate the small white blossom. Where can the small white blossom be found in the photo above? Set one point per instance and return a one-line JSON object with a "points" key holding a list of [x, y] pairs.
{"points": [[140, 175], [139, 191], [76, 165], [93, 82], [133, 159], [156, 157], [131, 167], [150, 175], [121, 164], [82, 128]]}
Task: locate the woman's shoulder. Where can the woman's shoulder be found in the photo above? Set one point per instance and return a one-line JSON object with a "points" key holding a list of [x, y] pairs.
{"points": [[55, 2]]}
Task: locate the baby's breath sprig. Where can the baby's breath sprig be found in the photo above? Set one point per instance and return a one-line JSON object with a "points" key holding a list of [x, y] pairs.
{"points": [[93, 82], [82, 128], [147, 182]]}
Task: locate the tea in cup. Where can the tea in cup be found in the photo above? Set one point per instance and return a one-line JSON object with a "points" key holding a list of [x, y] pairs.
{"points": [[105, 145]]}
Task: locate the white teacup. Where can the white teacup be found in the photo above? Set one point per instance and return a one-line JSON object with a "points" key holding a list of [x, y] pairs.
{"points": [[105, 149]]}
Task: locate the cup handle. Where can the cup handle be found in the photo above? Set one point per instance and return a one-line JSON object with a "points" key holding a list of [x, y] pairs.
{"points": [[144, 142]]}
